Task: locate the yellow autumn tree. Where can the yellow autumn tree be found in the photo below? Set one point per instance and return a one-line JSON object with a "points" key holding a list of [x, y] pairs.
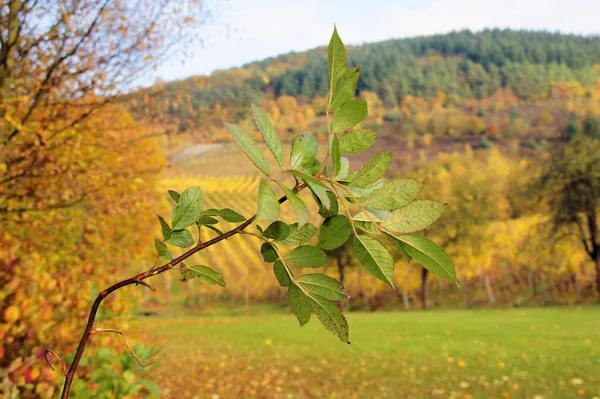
{"points": [[76, 171]]}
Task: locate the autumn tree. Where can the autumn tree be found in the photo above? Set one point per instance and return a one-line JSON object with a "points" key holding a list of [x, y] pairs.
{"points": [[475, 186], [572, 186], [70, 151], [60, 62]]}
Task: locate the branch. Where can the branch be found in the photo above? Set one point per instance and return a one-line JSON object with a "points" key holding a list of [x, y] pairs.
{"points": [[61, 205], [110, 330], [138, 279], [43, 85], [62, 362], [584, 239], [593, 227]]}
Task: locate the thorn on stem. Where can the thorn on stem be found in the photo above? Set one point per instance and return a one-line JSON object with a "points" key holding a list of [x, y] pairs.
{"points": [[137, 359], [145, 284], [51, 352]]}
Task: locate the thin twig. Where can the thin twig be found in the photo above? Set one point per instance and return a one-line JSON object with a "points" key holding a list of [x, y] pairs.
{"points": [[137, 359], [62, 362]]}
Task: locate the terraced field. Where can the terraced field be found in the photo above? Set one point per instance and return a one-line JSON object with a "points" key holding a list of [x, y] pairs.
{"points": [[229, 180], [238, 258]]}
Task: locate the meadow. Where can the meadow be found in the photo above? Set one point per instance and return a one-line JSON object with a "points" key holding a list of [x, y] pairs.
{"points": [[262, 353]]}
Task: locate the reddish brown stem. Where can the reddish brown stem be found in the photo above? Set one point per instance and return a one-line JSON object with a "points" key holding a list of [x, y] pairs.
{"points": [[138, 279]]}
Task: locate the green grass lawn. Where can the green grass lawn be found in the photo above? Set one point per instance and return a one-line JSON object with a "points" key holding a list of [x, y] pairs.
{"points": [[524, 353]]}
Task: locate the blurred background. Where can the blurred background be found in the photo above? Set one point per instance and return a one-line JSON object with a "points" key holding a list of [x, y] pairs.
{"points": [[494, 106]]}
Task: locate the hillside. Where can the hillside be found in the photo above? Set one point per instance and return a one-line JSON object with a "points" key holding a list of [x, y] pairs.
{"points": [[462, 65]]}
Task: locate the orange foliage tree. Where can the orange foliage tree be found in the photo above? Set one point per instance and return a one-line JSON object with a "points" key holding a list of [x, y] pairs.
{"points": [[67, 151]]}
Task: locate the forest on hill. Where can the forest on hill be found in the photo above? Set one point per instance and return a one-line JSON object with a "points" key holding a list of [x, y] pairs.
{"points": [[462, 65]]}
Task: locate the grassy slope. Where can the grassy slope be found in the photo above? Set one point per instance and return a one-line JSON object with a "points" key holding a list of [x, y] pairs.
{"points": [[510, 353]]}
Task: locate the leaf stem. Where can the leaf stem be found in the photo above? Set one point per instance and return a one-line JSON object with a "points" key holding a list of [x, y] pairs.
{"points": [[343, 201], [286, 267], [362, 208]]}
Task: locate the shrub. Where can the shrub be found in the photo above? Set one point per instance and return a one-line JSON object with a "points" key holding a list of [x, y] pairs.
{"points": [[531, 143], [393, 116], [485, 143]]}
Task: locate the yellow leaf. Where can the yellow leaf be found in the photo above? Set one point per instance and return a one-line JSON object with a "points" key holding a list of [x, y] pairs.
{"points": [[35, 373], [12, 314]]}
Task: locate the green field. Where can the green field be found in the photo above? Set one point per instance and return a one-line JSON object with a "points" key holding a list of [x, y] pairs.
{"points": [[529, 353]]}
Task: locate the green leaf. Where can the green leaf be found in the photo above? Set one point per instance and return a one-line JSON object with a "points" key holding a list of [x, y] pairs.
{"points": [[372, 171], [181, 239], [268, 132], [357, 141], [379, 214], [299, 236], [367, 227], [375, 258], [334, 232], [306, 256], [368, 190], [344, 88], [393, 194], [312, 168], [161, 248], [162, 260], [335, 155], [349, 115], [211, 212], [226, 214], [400, 246], [318, 188], [206, 220], [431, 256], [298, 205], [174, 195], [248, 146], [364, 217], [188, 209], [325, 286], [336, 58], [413, 217], [268, 203], [281, 274], [332, 210], [330, 316], [300, 304], [164, 226], [213, 228], [304, 149], [277, 230], [202, 273], [363, 222], [310, 180], [229, 215], [344, 169], [268, 252]]}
